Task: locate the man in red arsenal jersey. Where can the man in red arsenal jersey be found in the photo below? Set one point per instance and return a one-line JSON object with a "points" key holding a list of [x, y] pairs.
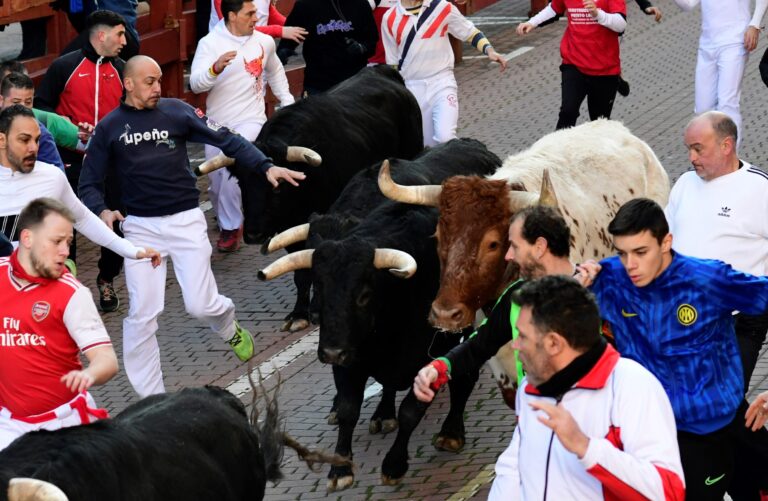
{"points": [[590, 52], [47, 318]]}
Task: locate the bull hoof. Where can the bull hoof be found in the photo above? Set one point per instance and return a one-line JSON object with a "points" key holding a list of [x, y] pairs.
{"points": [[340, 483], [294, 325], [387, 480], [388, 425], [299, 325], [449, 444], [374, 427], [333, 418]]}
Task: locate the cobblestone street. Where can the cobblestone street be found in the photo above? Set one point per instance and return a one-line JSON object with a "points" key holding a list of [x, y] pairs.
{"points": [[508, 112]]}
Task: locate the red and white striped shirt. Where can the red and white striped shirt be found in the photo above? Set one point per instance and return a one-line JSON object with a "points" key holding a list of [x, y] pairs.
{"points": [[430, 52], [43, 329]]}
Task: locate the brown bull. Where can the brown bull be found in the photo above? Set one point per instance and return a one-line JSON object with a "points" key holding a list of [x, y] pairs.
{"points": [[594, 169]]}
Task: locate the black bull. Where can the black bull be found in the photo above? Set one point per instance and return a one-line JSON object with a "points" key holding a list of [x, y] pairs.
{"points": [[374, 324], [195, 444], [363, 120]]}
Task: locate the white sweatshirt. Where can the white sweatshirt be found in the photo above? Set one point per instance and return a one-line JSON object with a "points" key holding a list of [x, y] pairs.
{"points": [[46, 180], [724, 218], [236, 96], [723, 22], [632, 452]]}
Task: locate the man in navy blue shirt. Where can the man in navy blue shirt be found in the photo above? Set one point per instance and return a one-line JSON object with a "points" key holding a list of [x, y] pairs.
{"points": [[673, 314], [144, 141]]}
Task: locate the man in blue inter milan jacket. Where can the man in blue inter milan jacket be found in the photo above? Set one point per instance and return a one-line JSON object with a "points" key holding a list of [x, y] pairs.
{"points": [[673, 314], [144, 141]]}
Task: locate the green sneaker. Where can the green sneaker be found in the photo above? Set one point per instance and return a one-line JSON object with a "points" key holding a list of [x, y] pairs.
{"points": [[242, 343], [71, 266]]}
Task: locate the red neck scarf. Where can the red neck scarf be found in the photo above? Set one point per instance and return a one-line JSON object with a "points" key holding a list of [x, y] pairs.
{"points": [[19, 271]]}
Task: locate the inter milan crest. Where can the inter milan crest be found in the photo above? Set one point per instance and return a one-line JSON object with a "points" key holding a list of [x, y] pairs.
{"points": [[686, 314], [40, 310]]}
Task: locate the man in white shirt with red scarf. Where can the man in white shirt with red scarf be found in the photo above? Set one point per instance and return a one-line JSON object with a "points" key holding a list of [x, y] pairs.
{"points": [[231, 64]]}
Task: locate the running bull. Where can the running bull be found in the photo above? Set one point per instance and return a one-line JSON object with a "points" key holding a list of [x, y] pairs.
{"points": [[374, 306], [195, 444], [330, 137], [592, 169]]}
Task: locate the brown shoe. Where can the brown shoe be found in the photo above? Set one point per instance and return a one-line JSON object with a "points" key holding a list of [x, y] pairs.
{"points": [[229, 241]]}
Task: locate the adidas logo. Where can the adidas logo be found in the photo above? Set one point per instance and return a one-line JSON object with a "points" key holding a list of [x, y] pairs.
{"points": [[724, 212]]}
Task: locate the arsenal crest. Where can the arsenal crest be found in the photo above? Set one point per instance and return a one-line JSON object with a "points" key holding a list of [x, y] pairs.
{"points": [[40, 310]]}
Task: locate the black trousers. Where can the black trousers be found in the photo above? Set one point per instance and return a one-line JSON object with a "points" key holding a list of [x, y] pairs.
{"points": [[732, 459], [110, 263], [750, 334], [600, 92]]}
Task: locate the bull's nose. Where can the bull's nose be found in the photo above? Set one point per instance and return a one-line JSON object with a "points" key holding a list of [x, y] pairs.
{"points": [[450, 318], [334, 356]]}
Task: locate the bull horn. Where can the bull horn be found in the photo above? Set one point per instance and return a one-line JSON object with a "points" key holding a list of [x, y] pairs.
{"points": [[428, 194], [32, 489], [298, 260], [215, 163], [286, 238], [302, 154], [547, 194], [399, 263]]}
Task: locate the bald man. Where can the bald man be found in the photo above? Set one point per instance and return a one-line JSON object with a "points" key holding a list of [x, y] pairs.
{"points": [[144, 139], [717, 211]]}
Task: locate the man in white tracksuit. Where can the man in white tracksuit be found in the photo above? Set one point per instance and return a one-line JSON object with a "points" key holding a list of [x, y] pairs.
{"points": [[728, 35], [590, 424], [230, 64], [415, 39]]}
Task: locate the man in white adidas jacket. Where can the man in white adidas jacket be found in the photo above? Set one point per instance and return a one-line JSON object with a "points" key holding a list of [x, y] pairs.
{"points": [[230, 64], [591, 425]]}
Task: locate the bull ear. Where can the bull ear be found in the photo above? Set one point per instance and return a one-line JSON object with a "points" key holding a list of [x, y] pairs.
{"points": [[299, 260], [302, 154], [286, 238], [215, 163], [32, 489], [399, 263], [427, 194], [547, 194]]}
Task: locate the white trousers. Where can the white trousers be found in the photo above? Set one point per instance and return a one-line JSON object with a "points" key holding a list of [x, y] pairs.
{"points": [[65, 416], [719, 72], [183, 238], [438, 99], [223, 189]]}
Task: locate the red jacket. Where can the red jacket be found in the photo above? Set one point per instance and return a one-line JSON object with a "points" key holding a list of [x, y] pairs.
{"points": [[81, 86]]}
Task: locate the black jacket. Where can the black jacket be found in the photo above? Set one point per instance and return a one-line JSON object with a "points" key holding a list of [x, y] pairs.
{"points": [[342, 36]]}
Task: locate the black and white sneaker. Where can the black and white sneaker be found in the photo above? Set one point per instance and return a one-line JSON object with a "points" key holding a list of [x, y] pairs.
{"points": [[109, 301]]}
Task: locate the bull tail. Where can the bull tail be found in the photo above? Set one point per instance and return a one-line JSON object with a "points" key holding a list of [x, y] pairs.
{"points": [[272, 438]]}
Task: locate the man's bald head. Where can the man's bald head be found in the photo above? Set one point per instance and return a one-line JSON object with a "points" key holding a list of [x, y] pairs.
{"points": [[142, 77], [138, 64], [711, 142], [721, 124]]}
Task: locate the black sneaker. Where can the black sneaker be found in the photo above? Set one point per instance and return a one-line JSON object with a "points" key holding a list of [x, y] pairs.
{"points": [[108, 299], [623, 87]]}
